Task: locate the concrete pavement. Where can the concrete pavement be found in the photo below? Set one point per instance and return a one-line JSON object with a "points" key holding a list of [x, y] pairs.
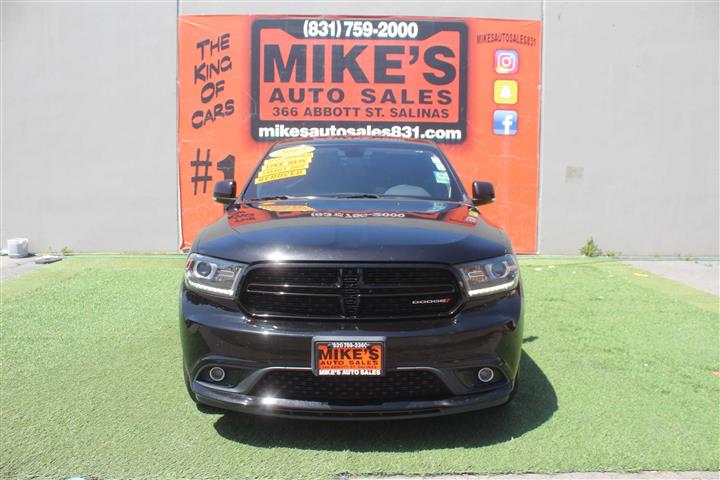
{"points": [[701, 274], [10, 267]]}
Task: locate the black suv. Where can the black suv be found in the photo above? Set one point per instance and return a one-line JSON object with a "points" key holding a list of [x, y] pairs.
{"points": [[352, 278]]}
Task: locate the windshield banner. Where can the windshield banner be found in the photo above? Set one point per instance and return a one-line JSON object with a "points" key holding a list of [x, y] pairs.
{"points": [[470, 85]]}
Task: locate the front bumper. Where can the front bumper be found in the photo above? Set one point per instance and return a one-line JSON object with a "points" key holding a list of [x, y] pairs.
{"points": [[215, 334]]}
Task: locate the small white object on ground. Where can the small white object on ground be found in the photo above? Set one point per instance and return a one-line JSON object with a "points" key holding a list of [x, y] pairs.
{"points": [[17, 247], [48, 259]]}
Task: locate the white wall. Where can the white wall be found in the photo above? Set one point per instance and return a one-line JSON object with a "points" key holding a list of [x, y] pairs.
{"points": [[88, 126], [630, 128], [528, 10]]}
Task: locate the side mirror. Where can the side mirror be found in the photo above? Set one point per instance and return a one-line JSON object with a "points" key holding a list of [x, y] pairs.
{"points": [[483, 193], [224, 192]]}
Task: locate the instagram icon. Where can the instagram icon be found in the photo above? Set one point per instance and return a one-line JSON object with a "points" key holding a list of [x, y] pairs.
{"points": [[506, 61]]}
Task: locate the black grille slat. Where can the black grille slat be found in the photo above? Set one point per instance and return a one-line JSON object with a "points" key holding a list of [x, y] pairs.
{"points": [[349, 292], [407, 276], [290, 289], [406, 291], [294, 275], [394, 386], [293, 304]]}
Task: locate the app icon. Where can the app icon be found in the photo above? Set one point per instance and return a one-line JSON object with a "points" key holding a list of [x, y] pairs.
{"points": [[505, 122], [506, 91], [506, 61]]}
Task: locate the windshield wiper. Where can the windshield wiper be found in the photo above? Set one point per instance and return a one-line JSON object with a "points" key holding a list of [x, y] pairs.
{"points": [[271, 197], [357, 195], [291, 197]]}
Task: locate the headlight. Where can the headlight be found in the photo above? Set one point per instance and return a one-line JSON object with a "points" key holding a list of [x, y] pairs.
{"points": [[212, 275], [490, 276]]}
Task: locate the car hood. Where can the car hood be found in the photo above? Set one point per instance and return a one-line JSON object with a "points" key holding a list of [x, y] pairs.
{"points": [[352, 230]]}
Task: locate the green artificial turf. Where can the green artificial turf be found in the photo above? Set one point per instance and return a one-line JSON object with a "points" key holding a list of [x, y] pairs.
{"points": [[617, 375]]}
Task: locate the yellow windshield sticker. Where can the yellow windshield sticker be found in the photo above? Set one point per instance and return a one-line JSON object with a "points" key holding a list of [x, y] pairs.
{"points": [[285, 152], [291, 162], [280, 175]]}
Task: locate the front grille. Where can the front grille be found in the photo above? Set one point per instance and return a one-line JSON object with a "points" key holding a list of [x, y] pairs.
{"points": [[394, 386], [362, 292]]}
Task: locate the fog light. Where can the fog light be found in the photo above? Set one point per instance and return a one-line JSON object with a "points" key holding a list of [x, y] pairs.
{"points": [[486, 374], [217, 374]]}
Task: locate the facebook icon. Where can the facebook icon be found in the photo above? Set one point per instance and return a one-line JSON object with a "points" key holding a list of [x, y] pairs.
{"points": [[505, 122]]}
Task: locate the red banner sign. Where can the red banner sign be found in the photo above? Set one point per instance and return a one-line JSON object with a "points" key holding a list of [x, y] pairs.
{"points": [[470, 85]]}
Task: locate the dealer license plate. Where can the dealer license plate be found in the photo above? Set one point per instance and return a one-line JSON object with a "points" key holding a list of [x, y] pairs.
{"points": [[348, 357]]}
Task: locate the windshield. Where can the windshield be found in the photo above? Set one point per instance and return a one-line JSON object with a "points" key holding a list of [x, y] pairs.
{"points": [[354, 170]]}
